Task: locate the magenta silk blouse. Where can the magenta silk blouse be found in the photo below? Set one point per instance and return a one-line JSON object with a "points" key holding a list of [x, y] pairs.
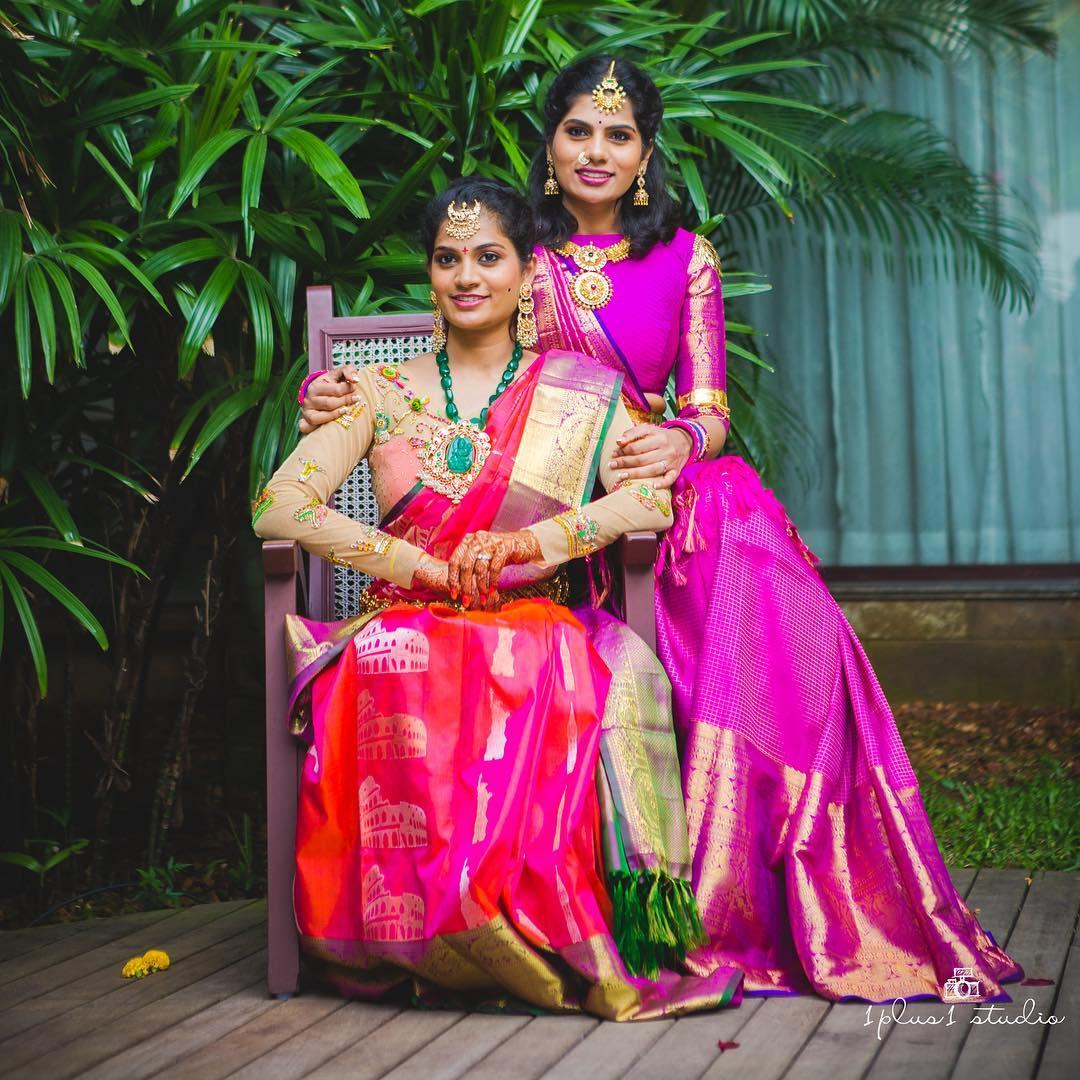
{"points": [[666, 312]]}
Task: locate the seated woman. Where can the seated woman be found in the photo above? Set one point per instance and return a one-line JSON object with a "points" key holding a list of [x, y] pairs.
{"points": [[453, 823]]}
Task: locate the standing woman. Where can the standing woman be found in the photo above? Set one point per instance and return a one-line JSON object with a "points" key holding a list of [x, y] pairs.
{"points": [[814, 864]]}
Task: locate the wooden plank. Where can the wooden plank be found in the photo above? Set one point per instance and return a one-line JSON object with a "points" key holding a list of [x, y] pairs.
{"points": [[535, 1048], [609, 1051], [841, 1045], [307, 1050], [1040, 944], [14, 943], [962, 878], [254, 1038], [61, 949], [1061, 1054], [108, 955], [771, 1040], [113, 1049], [209, 1021], [929, 1037], [72, 1010], [388, 1045], [687, 1050], [457, 1049]]}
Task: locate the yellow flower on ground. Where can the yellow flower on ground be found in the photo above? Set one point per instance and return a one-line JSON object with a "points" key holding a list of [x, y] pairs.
{"points": [[136, 968], [157, 959]]}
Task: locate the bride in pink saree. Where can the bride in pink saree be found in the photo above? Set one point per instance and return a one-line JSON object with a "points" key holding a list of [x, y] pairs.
{"points": [[456, 827], [813, 861]]}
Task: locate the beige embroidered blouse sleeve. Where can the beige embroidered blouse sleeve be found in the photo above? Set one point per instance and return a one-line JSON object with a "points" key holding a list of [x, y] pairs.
{"points": [[293, 505], [634, 507]]}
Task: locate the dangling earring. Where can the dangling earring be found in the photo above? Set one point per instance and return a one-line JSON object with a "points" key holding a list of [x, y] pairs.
{"points": [[438, 325], [641, 196], [527, 335], [551, 185]]}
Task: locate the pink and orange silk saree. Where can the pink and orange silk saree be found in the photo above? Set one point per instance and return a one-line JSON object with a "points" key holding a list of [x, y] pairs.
{"points": [[813, 862], [451, 831]]}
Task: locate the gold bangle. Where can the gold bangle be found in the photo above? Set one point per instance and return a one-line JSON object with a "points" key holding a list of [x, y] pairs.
{"points": [[705, 398]]}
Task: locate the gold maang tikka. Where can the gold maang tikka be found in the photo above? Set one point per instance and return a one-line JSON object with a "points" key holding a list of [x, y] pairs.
{"points": [[463, 223], [608, 95]]}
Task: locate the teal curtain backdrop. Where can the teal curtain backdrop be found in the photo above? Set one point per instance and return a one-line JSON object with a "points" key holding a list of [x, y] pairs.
{"points": [[944, 430]]}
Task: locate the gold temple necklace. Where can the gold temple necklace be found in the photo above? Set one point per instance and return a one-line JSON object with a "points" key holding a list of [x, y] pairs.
{"points": [[591, 287]]}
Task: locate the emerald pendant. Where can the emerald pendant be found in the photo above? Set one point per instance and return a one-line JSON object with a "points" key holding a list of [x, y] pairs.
{"points": [[460, 454]]}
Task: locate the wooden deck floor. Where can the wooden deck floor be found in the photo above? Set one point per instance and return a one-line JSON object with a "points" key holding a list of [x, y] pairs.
{"points": [[65, 1011]]}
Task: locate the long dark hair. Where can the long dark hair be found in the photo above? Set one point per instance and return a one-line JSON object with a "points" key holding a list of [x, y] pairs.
{"points": [[509, 208], [644, 225]]}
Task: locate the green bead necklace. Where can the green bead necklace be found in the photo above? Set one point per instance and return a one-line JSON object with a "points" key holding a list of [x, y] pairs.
{"points": [[442, 362], [454, 455]]}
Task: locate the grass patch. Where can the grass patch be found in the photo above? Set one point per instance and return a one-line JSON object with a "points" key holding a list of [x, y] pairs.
{"points": [[1034, 824]]}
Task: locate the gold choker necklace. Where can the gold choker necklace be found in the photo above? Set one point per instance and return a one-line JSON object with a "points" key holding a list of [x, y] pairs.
{"points": [[592, 288]]}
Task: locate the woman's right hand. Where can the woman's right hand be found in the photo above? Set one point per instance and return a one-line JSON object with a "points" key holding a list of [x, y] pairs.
{"points": [[328, 397]]}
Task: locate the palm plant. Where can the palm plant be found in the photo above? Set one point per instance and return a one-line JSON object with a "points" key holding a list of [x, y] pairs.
{"points": [[174, 173]]}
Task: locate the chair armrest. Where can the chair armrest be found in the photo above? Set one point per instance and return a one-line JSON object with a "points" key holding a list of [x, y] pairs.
{"points": [[282, 569], [637, 555]]}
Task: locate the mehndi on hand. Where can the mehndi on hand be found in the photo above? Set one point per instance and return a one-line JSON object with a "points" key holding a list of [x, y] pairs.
{"points": [[479, 559]]}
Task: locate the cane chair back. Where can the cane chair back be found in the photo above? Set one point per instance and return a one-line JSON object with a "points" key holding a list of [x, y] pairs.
{"points": [[333, 341]]}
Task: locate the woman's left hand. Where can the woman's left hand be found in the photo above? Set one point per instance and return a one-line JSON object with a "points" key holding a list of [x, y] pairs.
{"points": [[479, 559], [648, 452]]}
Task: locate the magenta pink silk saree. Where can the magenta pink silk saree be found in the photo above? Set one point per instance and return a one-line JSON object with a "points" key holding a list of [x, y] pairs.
{"points": [[449, 837], [813, 861]]}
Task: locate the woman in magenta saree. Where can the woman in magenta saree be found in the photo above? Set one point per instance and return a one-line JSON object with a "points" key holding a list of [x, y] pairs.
{"points": [[814, 864], [451, 830]]}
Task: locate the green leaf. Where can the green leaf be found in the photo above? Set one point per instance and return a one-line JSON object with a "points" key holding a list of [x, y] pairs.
{"points": [[117, 179], [52, 504], [23, 348], [217, 290], [323, 161], [259, 298], [46, 543], [128, 106], [251, 175], [226, 414], [182, 254], [67, 301], [11, 254], [29, 626], [43, 312], [17, 858], [93, 278], [53, 585], [129, 482], [201, 162]]}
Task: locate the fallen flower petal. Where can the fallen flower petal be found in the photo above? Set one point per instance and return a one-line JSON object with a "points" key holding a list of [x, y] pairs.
{"points": [[727, 1045], [1037, 982]]}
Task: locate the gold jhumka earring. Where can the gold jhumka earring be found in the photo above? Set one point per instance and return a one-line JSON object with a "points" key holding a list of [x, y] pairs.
{"points": [[527, 335], [551, 185], [438, 325], [641, 196]]}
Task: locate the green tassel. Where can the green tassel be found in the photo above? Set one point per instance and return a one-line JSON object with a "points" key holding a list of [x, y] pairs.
{"points": [[656, 920]]}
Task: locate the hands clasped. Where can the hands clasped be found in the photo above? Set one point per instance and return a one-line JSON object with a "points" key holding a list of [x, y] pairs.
{"points": [[648, 452], [472, 574]]}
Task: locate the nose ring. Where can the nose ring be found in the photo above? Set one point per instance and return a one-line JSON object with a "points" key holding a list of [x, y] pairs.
{"points": [[583, 158]]}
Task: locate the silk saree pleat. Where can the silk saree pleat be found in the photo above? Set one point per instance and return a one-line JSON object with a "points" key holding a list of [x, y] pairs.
{"points": [[449, 839], [813, 861]]}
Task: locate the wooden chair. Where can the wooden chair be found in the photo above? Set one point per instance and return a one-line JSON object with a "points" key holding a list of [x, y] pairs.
{"points": [[329, 592]]}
